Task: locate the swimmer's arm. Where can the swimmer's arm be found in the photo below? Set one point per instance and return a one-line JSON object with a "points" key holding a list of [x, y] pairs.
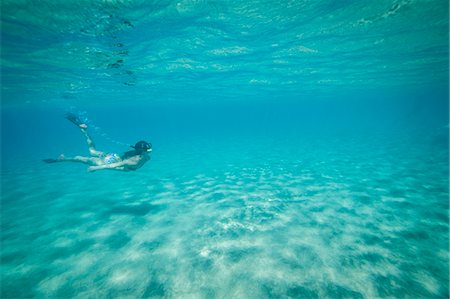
{"points": [[115, 166]]}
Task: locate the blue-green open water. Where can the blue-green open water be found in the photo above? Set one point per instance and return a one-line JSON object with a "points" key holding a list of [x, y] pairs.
{"points": [[300, 149]]}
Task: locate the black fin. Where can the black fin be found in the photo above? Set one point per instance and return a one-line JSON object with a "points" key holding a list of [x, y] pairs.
{"points": [[50, 160], [74, 118]]}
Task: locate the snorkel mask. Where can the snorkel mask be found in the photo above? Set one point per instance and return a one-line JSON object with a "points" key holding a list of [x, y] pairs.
{"points": [[142, 147]]}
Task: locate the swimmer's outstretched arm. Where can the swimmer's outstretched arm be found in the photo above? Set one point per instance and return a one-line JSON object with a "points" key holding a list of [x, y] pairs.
{"points": [[114, 166]]}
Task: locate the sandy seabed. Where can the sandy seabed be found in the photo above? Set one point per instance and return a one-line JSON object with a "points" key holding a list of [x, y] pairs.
{"points": [[342, 220]]}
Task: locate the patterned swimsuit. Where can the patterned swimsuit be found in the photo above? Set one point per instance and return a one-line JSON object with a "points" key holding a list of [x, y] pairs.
{"points": [[111, 158]]}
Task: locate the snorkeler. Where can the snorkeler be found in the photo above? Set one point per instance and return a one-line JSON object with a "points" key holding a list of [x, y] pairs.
{"points": [[98, 160]]}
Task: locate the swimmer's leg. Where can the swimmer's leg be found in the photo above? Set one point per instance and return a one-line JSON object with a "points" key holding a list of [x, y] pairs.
{"points": [[79, 159], [92, 150], [83, 127]]}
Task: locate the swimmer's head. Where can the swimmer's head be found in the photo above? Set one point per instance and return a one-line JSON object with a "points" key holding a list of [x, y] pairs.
{"points": [[143, 147]]}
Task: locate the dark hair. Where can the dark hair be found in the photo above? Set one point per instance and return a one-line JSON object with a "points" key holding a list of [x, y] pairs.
{"points": [[139, 148], [142, 146]]}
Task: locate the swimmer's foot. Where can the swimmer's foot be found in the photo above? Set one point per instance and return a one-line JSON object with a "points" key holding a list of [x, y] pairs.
{"points": [[76, 120]]}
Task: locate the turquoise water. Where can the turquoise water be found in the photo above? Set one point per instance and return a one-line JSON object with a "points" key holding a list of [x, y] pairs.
{"points": [[300, 149]]}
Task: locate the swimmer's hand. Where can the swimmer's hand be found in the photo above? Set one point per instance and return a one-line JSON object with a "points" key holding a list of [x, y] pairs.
{"points": [[93, 168], [115, 166]]}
